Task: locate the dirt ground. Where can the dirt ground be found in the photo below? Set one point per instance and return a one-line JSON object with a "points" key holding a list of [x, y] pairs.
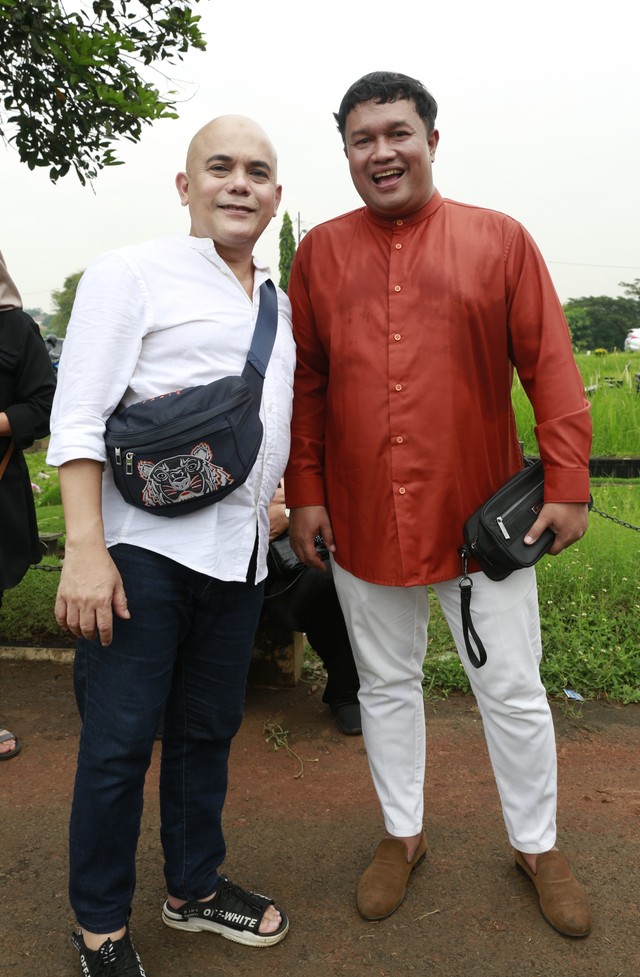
{"points": [[302, 822]]}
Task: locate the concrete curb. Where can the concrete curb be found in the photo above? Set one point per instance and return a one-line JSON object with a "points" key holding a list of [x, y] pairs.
{"points": [[276, 663], [19, 653]]}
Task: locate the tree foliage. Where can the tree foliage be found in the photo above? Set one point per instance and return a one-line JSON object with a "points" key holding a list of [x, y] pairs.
{"points": [[63, 303], [287, 251], [632, 289], [71, 83], [600, 321]]}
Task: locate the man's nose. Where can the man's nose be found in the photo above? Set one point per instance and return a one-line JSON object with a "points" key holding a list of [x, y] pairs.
{"points": [[382, 149], [238, 181]]}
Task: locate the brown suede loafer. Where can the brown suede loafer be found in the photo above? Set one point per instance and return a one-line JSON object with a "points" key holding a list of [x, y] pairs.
{"points": [[383, 885], [563, 901]]}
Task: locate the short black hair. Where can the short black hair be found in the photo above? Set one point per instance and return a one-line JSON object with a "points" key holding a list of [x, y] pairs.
{"points": [[388, 86]]}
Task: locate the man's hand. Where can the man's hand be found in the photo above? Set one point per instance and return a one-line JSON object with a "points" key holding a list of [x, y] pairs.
{"points": [[278, 519], [90, 586], [90, 591], [568, 520], [305, 524]]}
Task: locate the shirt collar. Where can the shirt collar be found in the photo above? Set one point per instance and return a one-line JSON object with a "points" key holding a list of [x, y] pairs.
{"points": [[427, 210], [206, 247]]}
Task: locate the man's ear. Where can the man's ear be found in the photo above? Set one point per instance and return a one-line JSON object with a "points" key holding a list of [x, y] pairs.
{"points": [[182, 185], [278, 199]]}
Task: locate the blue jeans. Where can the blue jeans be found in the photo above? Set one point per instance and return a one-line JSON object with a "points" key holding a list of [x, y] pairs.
{"points": [[183, 657]]}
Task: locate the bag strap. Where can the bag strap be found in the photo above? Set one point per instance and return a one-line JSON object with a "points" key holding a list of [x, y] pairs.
{"points": [[5, 460], [465, 584], [264, 336]]}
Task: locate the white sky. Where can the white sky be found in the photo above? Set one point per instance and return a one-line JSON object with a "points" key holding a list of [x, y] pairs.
{"points": [[538, 117]]}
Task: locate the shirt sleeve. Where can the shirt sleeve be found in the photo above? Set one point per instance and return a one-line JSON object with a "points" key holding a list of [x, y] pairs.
{"points": [[304, 476], [34, 387], [101, 349], [304, 479], [540, 347]]}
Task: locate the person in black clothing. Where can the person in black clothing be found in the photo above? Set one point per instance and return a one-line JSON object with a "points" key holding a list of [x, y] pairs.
{"points": [[27, 385], [307, 601]]}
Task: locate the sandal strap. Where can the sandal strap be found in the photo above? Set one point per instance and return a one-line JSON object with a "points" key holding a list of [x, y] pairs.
{"points": [[233, 899]]}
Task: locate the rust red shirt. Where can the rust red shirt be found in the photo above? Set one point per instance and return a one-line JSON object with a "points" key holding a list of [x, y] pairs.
{"points": [[407, 333]]}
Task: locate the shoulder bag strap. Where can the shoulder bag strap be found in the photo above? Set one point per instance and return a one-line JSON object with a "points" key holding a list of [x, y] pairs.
{"points": [[264, 337], [5, 460]]}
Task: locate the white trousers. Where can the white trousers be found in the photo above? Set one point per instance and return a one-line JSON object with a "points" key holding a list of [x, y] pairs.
{"points": [[388, 631]]}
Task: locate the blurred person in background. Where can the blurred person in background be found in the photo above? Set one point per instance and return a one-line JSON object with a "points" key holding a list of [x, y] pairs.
{"points": [[27, 385]]}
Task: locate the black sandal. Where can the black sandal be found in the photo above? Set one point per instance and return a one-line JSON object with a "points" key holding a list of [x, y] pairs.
{"points": [[233, 912]]}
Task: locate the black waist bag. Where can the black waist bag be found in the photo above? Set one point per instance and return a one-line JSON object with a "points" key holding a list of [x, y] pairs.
{"points": [[494, 537], [184, 450], [495, 532]]}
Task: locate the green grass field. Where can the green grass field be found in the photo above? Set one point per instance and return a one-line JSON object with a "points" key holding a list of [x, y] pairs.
{"points": [[615, 410], [589, 595]]}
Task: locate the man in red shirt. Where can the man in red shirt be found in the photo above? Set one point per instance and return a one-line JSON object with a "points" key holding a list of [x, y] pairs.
{"points": [[410, 315]]}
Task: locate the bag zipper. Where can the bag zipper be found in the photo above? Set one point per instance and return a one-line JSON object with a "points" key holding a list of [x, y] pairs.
{"points": [[178, 427], [500, 519]]}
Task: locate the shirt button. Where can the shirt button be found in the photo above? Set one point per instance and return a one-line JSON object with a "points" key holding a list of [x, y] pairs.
{"points": [[399, 223], [399, 439], [398, 386], [397, 337], [402, 490], [397, 288], [398, 246]]}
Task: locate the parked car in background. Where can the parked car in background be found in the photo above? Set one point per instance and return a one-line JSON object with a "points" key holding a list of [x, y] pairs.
{"points": [[632, 342]]}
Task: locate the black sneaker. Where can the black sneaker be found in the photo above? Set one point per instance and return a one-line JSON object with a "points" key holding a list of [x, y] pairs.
{"points": [[233, 912], [115, 958]]}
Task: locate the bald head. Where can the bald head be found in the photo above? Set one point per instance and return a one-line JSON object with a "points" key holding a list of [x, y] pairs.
{"points": [[230, 128]]}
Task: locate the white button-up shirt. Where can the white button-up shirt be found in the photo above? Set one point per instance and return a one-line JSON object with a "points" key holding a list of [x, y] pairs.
{"points": [[150, 319]]}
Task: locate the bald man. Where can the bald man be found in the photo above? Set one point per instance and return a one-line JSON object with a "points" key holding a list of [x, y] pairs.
{"points": [[165, 610]]}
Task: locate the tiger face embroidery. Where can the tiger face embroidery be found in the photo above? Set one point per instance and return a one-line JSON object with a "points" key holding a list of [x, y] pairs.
{"points": [[182, 477]]}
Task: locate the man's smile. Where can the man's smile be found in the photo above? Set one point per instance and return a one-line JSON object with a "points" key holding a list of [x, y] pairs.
{"points": [[387, 177]]}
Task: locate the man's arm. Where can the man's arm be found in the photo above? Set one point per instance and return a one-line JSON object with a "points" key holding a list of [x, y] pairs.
{"points": [[541, 350], [304, 475], [90, 588]]}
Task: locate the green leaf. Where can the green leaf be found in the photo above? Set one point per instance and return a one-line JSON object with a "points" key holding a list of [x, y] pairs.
{"points": [[87, 91]]}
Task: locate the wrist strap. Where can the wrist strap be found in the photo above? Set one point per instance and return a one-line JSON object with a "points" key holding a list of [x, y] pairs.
{"points": [[465, 584]]}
